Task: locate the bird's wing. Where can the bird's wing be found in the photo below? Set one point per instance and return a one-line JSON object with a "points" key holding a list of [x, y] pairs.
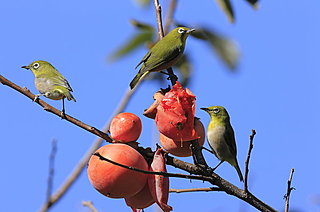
{"points": [[229, 138], [59, 80], [157, 59], [144, 59], [67, 85]]}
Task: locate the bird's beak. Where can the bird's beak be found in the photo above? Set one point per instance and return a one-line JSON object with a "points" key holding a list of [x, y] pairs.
{"points": [[190, 30], [205, 109], [26, 67]]}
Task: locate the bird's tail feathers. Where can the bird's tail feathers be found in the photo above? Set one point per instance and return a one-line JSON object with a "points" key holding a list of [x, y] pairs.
{"points": [[236, 166], [139, 76], [70, 97]]}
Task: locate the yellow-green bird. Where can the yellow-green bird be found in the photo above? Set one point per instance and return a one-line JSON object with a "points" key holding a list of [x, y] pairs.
{"points": [[220, 137], [164, 54], [49, 82]]}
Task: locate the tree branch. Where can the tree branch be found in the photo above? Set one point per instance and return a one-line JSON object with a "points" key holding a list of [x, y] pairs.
{"points": [[289, 189], [172, 190], [51, 172], [55, 111], [165, 174], [246, 172], [159, 19], [90, 205], [223, 184]]}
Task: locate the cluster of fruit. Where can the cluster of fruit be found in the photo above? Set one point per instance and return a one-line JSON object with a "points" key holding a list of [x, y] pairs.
{"points": [[174, 117]]}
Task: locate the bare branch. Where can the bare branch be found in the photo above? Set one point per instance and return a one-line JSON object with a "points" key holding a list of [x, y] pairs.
{"points": [[51, 174], [55, 111], [159, 19], [246, 172], [289, 189], [172, 190], [90, 205]]}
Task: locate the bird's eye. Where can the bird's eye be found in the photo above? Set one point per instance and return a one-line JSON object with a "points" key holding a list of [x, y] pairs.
{"points": [[36, 65], [181, 30], [216, 110]]}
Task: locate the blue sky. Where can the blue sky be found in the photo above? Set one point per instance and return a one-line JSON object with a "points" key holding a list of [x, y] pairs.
{"points": [[274, 91]]}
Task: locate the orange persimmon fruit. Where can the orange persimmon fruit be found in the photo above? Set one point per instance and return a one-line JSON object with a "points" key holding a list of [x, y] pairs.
{"points": [[114, 181], [125, 127], [141, 200]]}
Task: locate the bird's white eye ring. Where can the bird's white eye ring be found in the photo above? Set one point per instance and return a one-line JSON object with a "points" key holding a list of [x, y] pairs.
{"points": [[216, 110], [36, 65], [181, 30]]}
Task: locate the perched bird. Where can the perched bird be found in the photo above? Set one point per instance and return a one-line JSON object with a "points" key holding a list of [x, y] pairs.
{"points": [[220, 137], [49, 82], [164, 54]]}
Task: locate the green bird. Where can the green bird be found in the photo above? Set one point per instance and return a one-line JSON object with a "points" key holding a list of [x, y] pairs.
{"points": [[220, 137], [164, 54], [49, 82]]}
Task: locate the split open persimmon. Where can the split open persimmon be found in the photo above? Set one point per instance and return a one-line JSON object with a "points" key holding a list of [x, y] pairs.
{"points": [[182, 148], [175, 114]]}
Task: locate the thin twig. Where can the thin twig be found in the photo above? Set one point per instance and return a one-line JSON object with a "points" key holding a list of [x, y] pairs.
{"points": [[51, 172], [246, 172], [159, 19], [172, 190], [55, 111], [170, 14], [75, 173], [90, 205], [289, 189]]}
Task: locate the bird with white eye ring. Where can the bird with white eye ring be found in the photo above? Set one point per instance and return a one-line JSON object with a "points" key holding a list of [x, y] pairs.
{"points": [[50, 83], [164, 54], [221, 139]]}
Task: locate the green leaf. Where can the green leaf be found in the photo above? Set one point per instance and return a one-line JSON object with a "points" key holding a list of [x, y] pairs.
{"points": [[226, 49], [226, 7], [137, 40], [141, 25], [254, 3], [143, 3]]}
